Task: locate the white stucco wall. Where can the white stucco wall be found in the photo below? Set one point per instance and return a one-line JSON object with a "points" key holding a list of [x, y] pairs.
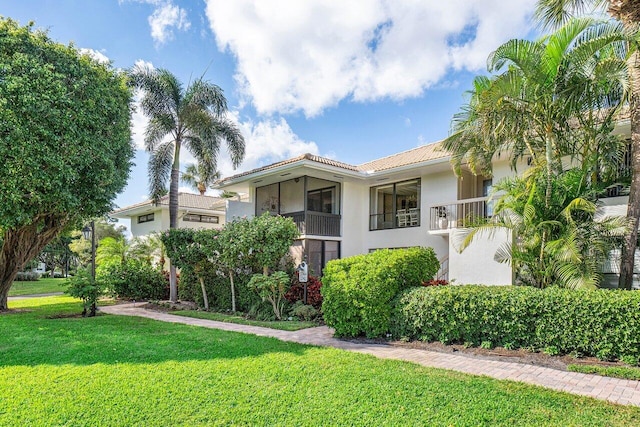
{"points": [[355, 217], [238, 209], [475, 265], [147, 227]]}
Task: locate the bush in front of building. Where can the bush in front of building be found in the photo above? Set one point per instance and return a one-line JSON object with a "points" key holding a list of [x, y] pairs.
{"points": [[358, 291], [601, 323], [134, 279]]}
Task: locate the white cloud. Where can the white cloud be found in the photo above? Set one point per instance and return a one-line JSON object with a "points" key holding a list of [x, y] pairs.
{"points": [[267, 141], [309, 55], [165, 18], [95, 54]]}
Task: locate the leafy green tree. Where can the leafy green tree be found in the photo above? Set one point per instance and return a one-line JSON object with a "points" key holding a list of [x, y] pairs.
{"points": [[104, 228], [112, 250], [198, 178], [272, 288], [193, 118], [65, 142], [193, 250], [256, 243], [556, 12]]}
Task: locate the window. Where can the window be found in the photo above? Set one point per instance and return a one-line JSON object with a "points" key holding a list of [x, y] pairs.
{"points": [[319, 253], [202, 218], [395, 205], [145, 218], [322, 200]]}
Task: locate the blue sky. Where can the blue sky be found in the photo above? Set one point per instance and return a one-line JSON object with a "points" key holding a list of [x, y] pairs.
{"points": [[352, 80]]}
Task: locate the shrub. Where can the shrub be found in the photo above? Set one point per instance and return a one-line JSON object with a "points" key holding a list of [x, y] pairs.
{"points": [[217, 287], [304, 312], [601, 323], [27, 276], [314, 295], [271, 288], [134, 279], [81, 286], [358, 290]]}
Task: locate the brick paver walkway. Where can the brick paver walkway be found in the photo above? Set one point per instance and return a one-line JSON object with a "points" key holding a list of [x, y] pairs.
{"points": [[615, 390]]}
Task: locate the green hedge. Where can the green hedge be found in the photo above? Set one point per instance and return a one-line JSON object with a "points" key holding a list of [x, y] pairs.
{"points": [[135, 279], [357, 291], [218, 291], [601, 323]]}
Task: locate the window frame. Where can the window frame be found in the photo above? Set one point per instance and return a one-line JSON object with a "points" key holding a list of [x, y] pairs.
{"points": [[394, 212], [150, 217]]}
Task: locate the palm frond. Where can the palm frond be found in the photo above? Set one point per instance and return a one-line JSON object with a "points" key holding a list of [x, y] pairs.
{"points": [[159, 170]]}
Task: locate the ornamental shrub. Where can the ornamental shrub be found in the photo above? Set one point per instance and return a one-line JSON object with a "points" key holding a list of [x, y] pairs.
{"points": [[601, 323], [134, 279], [217, 286], [27, 276], [314, 295], [358, 291]]}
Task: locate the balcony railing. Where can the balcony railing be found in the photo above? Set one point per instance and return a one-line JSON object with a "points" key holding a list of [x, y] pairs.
{"points": [[461, 213], [316, 223]]}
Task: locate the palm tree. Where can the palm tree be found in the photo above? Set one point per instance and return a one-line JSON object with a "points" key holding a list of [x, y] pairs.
{"points": [[578, 240], [555, 12], [542, 106], [198, 178], [193, 118]]}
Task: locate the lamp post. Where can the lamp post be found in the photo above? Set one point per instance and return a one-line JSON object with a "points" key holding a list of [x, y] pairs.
{"points": [[90, 231]]}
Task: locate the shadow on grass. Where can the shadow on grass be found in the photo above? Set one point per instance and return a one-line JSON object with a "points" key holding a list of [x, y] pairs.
{"points": [[33, 337]]}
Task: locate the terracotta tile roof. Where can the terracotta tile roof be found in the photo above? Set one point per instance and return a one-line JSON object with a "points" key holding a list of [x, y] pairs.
{"points": [[416, 155], [185, 200], [307, 156]]}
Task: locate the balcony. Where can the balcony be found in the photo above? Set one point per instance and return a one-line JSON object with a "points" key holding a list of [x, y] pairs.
{"points": [[316, 223], [459, 214]]}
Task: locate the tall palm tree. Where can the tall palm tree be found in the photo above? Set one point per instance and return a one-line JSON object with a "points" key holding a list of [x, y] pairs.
{"points": [[193, 118], [196, 177], [555, 12], [542, 106]]}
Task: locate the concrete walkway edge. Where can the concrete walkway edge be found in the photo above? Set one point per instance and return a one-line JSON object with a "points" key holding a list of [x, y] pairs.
{"points": [[625, 392]]}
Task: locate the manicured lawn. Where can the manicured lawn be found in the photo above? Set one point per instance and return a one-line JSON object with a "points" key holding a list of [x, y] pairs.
{"points": [[42, 286], [112, 370], [285, 325], [626, 372]]}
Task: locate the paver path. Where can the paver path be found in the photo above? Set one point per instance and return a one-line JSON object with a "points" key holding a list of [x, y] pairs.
{"points": [[626, 392]]}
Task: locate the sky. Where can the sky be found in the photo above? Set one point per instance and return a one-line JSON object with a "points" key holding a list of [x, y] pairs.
{"points": [[352, 80]]}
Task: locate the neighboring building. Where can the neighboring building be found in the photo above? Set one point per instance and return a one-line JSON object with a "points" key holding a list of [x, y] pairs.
{"points": [[407, 199], [194, 211]]}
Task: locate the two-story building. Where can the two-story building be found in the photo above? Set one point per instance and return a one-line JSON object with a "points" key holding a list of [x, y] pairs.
{"points": [[194, 211], [407, 199]]}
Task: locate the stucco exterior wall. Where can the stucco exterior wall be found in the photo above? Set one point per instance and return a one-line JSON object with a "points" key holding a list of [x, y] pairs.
{"points": [[238, 209], [355, 218], [146, 227], [475, 265]]}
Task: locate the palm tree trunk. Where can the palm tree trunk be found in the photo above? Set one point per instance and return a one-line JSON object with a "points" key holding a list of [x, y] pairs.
{"points": [[633, 208], [233, 292], [173, 217]]}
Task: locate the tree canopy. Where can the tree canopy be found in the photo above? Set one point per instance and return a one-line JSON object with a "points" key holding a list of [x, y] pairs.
{"points": [[65, 141]]}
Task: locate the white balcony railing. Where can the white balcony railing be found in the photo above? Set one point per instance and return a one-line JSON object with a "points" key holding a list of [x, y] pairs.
{"points": [[460, 213]]}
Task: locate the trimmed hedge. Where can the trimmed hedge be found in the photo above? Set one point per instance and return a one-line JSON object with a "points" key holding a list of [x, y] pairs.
{"points": [[601, 323], [357, 291], [135, 279]]}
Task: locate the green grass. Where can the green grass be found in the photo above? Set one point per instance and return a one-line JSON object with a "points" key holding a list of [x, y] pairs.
{"points": [[284, 325], [626, 372], [42, 286], [121, 371]]}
